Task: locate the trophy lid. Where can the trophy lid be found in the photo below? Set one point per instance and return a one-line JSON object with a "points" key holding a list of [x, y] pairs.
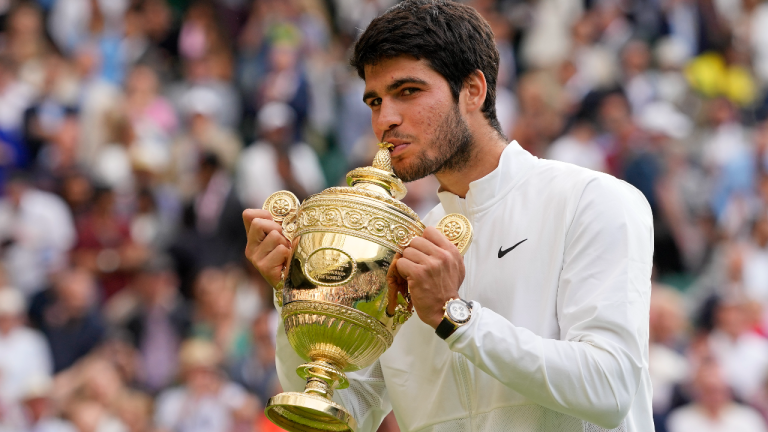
{"points": [[380, 175]]}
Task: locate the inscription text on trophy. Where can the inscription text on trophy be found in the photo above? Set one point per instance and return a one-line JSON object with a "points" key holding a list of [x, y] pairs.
{"points": [[329, 267]]}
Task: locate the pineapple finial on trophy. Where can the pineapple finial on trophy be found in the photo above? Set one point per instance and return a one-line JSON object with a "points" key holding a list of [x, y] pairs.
{"points": [[383, 160], [379, 177]]}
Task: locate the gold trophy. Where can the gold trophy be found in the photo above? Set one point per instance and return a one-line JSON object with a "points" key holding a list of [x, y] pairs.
{"points": [[334, 291]]}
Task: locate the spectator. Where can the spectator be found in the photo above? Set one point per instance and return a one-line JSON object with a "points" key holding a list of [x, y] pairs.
{"points": [[135, 411], [25, 351], [159, 322], [713, 409], [89, 416], [741, 353], [36, 231], [668, 368], [216, 319], [205, 135], [212, 234], [278, 162], [67, 316], [755, 263], [36, 411], [104, 244], [206, 400], [15, 98], [579, 147], [257, 371], [153, 116]]}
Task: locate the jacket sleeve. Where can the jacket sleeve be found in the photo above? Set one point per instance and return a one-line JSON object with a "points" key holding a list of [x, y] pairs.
{"points": [[366, 397], [594, 371]]}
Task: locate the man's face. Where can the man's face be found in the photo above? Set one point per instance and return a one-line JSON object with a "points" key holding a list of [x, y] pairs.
{"points": [[412, 108]]}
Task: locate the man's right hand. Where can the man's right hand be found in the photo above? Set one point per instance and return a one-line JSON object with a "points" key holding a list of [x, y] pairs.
{"points": [[267, 249]]}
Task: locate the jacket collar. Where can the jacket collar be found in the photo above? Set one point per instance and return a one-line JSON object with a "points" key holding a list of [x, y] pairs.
{"points": [[485, 192]]}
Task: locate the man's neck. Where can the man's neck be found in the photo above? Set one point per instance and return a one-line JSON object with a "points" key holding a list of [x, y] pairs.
{"points": [[486, 153]]}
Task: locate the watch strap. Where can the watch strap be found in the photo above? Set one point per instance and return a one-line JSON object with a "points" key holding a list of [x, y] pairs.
{"points": [[446, 328]]}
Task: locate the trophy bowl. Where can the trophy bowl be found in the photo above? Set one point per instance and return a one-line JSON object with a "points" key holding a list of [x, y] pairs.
{"points": [[334, 293]]}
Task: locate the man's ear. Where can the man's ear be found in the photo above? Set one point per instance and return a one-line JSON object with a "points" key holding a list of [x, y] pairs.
{"points": [[474, 90]]}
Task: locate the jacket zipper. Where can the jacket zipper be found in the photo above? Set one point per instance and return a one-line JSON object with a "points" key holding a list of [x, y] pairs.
{"points": [[464, 373]]}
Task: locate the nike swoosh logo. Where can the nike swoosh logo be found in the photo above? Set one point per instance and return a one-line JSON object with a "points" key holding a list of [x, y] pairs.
{"points": [[506, 251]]}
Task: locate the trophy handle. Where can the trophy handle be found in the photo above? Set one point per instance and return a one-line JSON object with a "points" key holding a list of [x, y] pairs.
{"points": [[457, 229], [284, 207]]}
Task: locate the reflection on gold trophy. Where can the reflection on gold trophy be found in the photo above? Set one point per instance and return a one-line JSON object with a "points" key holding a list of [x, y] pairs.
{"points": [[334, 288]]}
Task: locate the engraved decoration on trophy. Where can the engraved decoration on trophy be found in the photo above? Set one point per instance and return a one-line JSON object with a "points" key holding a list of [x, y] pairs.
{"points": [[334, 288]]}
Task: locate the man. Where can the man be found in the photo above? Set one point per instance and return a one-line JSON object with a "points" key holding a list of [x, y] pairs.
{"points": [[67, 315], [159, 322], [206, 401], [277, 161], [558, 273], [713, 408]]}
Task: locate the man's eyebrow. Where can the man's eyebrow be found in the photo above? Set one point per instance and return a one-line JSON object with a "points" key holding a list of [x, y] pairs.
{"points": [[405, 80], [369, 95], [394, 85]]}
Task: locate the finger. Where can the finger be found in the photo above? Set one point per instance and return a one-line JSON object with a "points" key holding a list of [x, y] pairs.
{"points": [[392, 271], [395, 284], [416, 255], [274, 239], [261, 228], [407, 268], [438, 239], [277, 258], [250, 214], [256, 251], [423, 245], [272, 265]]}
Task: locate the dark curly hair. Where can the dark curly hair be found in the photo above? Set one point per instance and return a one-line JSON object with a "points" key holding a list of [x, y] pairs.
{"points": [[453, 38]]}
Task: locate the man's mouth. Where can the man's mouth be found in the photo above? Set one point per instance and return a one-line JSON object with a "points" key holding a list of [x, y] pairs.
{"points": [[399, 147]]}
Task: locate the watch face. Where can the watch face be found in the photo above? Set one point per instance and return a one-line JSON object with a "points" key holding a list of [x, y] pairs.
{"points": [[458, 311]]}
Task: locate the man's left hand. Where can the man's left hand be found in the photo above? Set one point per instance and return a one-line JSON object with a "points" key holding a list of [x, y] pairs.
{"points": [[434, 270]]}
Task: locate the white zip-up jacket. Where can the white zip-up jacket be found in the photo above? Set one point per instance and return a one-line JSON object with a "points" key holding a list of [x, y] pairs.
{"points": [[558, 339]]}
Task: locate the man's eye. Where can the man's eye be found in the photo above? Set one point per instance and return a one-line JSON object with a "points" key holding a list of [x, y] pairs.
{"points": [[409, 91], [375, 102]]}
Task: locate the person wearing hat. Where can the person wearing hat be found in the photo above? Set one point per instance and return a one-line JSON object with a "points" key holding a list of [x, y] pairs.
{"points": [[276, 161], [206, 401], [24, 352], [35, 411]]}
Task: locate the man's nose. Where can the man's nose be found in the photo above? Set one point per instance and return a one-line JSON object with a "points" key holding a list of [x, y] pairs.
{"points": [[388, 117]]}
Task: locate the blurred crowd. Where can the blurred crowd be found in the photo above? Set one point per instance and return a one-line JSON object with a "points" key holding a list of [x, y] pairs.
{"points": [[134, 132]]}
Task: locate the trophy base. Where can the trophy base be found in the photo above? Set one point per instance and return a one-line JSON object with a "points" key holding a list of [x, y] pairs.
{"points": [[306, 412]]}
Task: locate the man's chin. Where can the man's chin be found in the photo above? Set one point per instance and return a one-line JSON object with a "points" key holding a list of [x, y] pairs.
{"points": [[409, 173]]}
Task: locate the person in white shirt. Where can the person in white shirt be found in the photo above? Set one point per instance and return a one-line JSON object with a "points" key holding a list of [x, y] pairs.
{"points": [[36, 232], [35, 411], [207, 401], [24, 352], [579, 147], [741, 352], [558, 274], [713, 409], [277, 162]]}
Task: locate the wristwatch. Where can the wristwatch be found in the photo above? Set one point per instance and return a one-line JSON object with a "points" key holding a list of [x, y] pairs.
{"points": [[457, 313]]}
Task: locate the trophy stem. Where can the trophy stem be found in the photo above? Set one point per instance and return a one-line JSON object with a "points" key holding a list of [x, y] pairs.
{"points": [[323, 377], [313, 410]]}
